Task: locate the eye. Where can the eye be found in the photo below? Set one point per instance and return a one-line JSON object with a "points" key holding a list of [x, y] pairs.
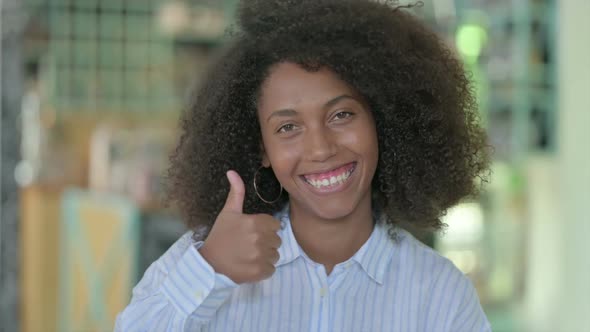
{"points": [[286, 128], [343, 115]]}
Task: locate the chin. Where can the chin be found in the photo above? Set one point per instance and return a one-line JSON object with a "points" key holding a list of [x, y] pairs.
{"points": [[333, 211]]}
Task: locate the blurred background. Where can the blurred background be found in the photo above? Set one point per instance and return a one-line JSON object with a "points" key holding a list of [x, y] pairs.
{"points": [[91, 92]]}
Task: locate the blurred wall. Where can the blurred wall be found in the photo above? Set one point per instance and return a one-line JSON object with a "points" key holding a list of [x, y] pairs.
{"points": [[558, 278], [11, 84], [573, 169]]}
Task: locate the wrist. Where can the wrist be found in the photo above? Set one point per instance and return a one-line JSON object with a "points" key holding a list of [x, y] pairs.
{"points": [[209, 257], [205, 253]]}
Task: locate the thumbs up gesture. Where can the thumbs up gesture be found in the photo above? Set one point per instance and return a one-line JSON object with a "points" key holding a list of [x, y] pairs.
{"points": [[244, 247]]}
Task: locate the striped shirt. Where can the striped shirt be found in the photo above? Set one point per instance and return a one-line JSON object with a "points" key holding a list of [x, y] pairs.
{"points": [[387, 285]]}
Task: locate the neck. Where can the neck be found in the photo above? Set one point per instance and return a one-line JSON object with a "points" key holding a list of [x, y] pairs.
{"points": [[332, 241]]}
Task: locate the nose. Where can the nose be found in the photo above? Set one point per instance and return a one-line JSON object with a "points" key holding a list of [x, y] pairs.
{"points": [[320, 145]]}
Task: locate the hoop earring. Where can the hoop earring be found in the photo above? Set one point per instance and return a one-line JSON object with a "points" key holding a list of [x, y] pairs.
{"points": [[258, 194]]}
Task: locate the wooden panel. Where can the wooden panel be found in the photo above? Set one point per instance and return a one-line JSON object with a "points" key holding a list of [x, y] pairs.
{"points": [[98, 255], [39, 239]]}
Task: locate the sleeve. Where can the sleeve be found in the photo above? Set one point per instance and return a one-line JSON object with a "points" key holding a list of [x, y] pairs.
{"points": [[469, 315], [178, 292]]}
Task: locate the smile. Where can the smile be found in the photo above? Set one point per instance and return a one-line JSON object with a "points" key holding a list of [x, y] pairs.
{"points": [[330, 179]]}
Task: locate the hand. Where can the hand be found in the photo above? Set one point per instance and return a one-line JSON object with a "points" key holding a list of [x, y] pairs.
{"points": [[242, 246]]}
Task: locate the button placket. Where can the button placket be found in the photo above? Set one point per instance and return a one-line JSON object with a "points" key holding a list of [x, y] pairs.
{"points": [[324, 294]]}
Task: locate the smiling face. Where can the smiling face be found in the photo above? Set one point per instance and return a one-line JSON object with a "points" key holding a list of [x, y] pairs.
{"points": [[319, 137]]}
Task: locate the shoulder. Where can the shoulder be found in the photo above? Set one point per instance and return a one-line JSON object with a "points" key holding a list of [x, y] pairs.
{"points": [[170, 258], [446, 295], [411, 254], [424, 271]]}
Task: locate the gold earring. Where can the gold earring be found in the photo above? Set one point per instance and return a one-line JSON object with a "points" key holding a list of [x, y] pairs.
{"points": [[258, 194]]}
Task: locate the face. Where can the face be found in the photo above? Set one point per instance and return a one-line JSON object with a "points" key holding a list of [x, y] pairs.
{"points": [[320, 140]]}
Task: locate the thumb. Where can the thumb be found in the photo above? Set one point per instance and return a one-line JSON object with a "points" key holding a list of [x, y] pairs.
{"points": [[235, 197]]}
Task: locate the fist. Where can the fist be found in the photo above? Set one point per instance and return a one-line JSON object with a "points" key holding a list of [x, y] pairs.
{"points": [[244, 247]]}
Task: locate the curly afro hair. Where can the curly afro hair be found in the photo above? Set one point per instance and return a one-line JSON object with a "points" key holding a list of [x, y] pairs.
{"points": [[432, 150]]}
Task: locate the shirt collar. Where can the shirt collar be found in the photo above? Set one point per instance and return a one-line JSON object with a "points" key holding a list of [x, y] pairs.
{"points": [[289, 249], [374, 255]]}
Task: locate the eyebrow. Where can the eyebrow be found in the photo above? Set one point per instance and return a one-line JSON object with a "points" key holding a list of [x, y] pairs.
{"points": [[287, 112]]}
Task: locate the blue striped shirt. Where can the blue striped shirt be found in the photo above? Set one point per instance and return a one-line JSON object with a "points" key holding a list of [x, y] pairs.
{"points": [[387, 285]]}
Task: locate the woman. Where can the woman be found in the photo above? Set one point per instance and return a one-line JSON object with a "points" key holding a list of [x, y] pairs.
{"points": [[339, 124]]}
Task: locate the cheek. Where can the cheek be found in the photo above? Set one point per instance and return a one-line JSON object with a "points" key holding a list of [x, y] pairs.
{"points": [[363, 140], [366, 145], [371, 143], [283, 159]]}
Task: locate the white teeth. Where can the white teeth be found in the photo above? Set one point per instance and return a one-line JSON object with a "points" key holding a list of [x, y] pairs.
{"points": [[331, 181]]}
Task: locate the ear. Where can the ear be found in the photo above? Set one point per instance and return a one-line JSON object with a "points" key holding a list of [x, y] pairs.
{"points": [[264, 157]]}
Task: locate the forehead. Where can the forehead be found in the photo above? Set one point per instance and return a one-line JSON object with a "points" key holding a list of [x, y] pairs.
{"points": [[289, 85]]}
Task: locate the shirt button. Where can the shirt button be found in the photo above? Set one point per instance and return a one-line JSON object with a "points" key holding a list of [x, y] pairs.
{"points": [[323, 291], [198, 295]]}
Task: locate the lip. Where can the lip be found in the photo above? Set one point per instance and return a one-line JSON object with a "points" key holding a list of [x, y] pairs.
{"points": [[331, 189], [328, 169]]}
